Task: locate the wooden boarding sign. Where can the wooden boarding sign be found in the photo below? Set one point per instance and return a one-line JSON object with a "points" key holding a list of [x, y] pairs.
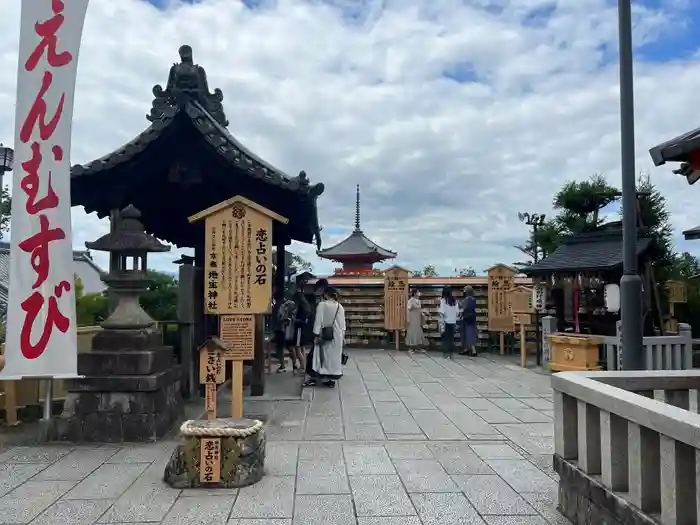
{"points": [[501, 280], [677, 292], [211, 372], [238, 334], [238, 256], [210, 460], [395, 298], [521, 300]]}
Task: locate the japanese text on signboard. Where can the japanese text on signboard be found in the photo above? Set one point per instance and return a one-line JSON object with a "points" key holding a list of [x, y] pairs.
{"points": [[210, 460]]}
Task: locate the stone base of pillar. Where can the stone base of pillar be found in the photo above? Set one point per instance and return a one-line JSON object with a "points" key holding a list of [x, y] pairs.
{"points": [[583, 500], [131, 391]]}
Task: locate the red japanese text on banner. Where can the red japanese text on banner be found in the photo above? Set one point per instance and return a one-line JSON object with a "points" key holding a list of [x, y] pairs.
{"points": [[41, 332]]}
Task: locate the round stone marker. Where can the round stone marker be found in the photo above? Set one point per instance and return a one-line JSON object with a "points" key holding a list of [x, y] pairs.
{"points": [[242, 457]]}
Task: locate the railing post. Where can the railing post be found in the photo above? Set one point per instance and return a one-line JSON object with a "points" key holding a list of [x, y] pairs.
{"points": [[613, 445], [588, 432], [678, 482], [549, 326], [678, 398], [565, 426], [618, 332], [644, 468], [685, 331]]}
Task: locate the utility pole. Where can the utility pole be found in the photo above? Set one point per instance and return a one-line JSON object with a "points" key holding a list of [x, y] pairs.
{"points": [[631, 282]]}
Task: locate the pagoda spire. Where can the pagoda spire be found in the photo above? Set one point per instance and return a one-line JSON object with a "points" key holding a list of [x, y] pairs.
{"points": [[357, 210]]}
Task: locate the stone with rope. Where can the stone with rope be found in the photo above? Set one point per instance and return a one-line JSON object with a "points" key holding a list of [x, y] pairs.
{"points": [[242, 456], [223, 427]]}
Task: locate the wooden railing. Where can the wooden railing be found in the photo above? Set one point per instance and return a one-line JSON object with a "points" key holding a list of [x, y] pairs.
{"points": [[668, 352], [639, 431], [29, 392]]}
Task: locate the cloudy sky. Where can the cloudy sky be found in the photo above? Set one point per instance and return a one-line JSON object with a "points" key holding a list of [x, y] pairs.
{"points": [[452, 115]]}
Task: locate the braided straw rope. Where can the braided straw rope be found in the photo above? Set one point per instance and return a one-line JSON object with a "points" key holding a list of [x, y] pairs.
{"points": [[191, 428]]}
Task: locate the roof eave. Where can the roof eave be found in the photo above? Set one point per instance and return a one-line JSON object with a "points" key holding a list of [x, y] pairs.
{"points": [[676, 149]]}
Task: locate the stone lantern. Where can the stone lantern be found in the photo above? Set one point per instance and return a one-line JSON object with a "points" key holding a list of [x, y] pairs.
{"points": [[130, 246], [130, 385]]}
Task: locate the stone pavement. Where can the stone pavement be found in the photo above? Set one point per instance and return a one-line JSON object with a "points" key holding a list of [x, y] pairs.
{"points": [[402, 441]]}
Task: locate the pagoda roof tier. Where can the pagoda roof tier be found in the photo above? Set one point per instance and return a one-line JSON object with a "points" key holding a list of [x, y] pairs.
{"points": [[187, 161], [356, 247]]}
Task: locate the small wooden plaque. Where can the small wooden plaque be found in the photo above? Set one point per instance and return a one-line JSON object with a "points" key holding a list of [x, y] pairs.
{"points": [[522, 319], [211, 366], [238, 333], [210, 460], [395, 298], [210, 397]]}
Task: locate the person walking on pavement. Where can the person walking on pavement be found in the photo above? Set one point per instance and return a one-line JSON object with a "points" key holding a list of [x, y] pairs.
{"points": [[329, 339]]}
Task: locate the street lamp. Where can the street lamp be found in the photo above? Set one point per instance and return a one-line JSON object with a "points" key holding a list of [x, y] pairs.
{"points": [[535, 220], [631, 282]]}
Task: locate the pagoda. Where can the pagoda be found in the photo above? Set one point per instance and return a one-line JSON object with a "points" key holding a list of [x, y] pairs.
{"points": [[357, 253]]}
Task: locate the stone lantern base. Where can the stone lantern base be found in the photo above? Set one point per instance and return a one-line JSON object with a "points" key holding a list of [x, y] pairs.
{"points": [[131, 391]]}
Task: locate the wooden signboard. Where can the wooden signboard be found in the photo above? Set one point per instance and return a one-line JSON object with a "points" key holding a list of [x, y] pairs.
{"points": [[395, 300], [211, 372], [237, 332], [521, 300], [677, 292], [501, 283], [238, 260], [210, 460]]}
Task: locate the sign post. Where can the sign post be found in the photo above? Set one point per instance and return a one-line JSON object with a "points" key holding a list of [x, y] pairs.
{"points": [[521, 305], [395, 299], [238, 277], [677, 293], [501, 282]]}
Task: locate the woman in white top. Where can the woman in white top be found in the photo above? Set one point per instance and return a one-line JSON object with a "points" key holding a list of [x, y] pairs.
{"points": [[449, 312]]}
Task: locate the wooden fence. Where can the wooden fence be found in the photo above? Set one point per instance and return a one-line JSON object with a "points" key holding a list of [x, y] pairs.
{"points": [[15, 395]]}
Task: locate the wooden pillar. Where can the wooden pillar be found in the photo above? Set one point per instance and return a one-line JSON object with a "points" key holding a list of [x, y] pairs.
{"points": [[278, 286], [199, 328]]}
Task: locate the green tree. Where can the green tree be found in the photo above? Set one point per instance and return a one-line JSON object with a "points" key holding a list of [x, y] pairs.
{"points": [[5, 210], [654, 215], [465, 272], [160, 299], [579, 203], [90, 309], [427, 271]]}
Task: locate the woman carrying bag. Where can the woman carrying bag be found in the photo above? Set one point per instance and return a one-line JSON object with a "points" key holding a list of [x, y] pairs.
{"points": [[329, 337]]}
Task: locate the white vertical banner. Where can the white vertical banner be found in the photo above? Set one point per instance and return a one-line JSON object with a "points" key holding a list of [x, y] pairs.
{"points": [[41, 335]]}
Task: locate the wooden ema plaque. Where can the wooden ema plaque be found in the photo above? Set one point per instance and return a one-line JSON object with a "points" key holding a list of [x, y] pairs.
{"points": [[501, 283], [211, 372], [210, 460], [237, 332], [395, 298], [238, 256]]}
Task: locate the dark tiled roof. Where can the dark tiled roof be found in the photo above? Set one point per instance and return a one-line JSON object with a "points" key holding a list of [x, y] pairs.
{"points": [[601, 250], [676, 149], [354, 245], [216, 135], [692, 234]]}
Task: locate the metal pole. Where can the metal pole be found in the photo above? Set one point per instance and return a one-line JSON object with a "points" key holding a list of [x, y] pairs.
{"points": [[631, 282], [48, 400]]}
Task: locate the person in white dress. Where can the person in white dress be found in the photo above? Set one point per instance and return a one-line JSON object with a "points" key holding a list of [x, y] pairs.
{"points": [[327, 363], [415, 339]]}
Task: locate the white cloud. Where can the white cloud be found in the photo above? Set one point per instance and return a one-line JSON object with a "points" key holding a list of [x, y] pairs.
{"points": [[360, 96]]}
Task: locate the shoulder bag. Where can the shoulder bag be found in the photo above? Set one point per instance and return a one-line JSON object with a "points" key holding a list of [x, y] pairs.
{"points": [[327, 331]]}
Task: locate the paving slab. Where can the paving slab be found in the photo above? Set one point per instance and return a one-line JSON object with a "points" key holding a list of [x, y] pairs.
{"points": [[403, 440]]}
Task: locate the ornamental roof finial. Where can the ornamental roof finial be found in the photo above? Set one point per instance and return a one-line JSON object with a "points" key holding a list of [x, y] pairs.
{"points": [[357, 210]]}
